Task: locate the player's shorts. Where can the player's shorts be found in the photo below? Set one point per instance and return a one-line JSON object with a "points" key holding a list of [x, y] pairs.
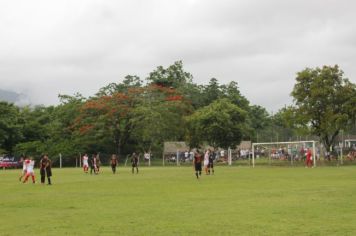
{"points": [[49, 172], [30, 173], [206, 163], [134, 165], [198, 167]]}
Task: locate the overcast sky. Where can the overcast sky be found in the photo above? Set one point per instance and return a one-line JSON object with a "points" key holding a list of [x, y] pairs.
{"points": [[51, 47]]}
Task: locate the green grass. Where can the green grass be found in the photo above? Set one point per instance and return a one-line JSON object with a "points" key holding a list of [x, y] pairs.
{"points": [[170, 201]]}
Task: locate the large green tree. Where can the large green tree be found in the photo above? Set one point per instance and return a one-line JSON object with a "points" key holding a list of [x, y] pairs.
{"points": [[326, 101], [172, 76], [158, 117], [220, 124], [10, 130]]}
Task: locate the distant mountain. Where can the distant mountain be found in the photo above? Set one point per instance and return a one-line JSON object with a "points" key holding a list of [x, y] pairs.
{"points": [[17, 98]]}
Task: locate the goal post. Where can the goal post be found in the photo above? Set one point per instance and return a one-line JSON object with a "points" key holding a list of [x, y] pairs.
{"points": [[289, 153]]}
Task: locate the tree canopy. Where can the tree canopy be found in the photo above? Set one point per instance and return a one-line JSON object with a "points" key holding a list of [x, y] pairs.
{"points": [[325, 100], [220, 124], [137, 114]]}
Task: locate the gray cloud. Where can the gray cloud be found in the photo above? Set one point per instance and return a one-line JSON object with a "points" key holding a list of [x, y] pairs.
{"points": [[51, 47]]}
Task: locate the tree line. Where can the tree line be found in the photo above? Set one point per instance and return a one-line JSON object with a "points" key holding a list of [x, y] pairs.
{"points": [[140, 115]]}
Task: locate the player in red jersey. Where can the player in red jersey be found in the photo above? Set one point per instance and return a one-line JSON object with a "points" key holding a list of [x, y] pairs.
{"points": [[309, 159]]}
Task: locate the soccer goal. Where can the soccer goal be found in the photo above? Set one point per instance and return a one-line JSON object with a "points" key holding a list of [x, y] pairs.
{"points": [[282, 153]]}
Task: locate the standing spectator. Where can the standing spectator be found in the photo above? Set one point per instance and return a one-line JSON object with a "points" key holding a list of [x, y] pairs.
{"points": [[45, 169], [113, 162], [191, 155], [147, 157], [186, 156], [134, 163], [302, 153], [222, 155]]}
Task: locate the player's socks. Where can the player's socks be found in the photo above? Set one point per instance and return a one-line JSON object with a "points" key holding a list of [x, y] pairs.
{"points": [[26, 178], [196, 173], [49, 181], [33, 179]]}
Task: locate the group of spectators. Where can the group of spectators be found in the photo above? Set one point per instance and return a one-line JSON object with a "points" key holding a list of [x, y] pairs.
{"points": [[188, 156]]}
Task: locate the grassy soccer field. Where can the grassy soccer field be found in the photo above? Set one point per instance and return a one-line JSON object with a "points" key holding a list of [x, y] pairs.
{"points": [[171, 201]]}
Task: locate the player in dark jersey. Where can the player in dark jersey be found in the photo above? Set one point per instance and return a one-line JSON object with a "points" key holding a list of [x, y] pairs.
{"points": [[113, 162], [134, 163], [45, 169], [91, 164], [211, 163], [198, 158], [98, 164], [94, 162]]}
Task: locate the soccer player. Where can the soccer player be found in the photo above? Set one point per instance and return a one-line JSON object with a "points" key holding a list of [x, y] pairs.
{"points": [[30, 163], [98, 163], [197, 164], [85, 163], [206, 161], [23, 173], [134, 163], [211, 164], [45, 169], [95, 163], [91, 164], [113, 162], [309, 160]]}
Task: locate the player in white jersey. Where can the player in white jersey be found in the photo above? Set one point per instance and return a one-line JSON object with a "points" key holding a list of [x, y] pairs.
{"points": [[30, 164], [206, 161], [85, 163], [23, 173]]}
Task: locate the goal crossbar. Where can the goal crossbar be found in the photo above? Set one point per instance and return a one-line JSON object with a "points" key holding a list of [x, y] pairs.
{"points": [[278, 143]]}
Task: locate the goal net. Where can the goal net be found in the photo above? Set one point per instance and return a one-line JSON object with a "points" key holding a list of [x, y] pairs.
{"points": [[282, 153]]}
